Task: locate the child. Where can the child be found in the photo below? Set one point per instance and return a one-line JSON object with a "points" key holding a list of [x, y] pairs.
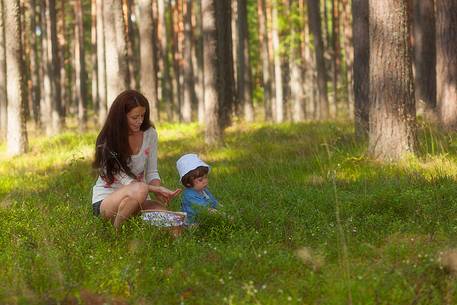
{"points": [[193, 174]]}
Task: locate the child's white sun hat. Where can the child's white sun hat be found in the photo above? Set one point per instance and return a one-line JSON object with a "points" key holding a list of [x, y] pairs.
{"points": [[189, 162]]}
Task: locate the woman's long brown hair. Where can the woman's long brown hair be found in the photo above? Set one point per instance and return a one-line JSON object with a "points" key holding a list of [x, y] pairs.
{"points": [[112, 150]]}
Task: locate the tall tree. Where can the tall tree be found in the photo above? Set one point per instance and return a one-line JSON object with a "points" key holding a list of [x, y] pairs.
{"points": [[54, 68], [17, 132], [348, 55], [198, 62], [425, 54], [315, 27], [213, 128], [188, 47], [101, 63], [115, 51], [279, 107], [3, 101], [392, 131], [361, 66], [80, 66], [244, 78], [93, 40], [164, 59], [296, 78], [147, 71], [446, 62], [225, 76], [335, 40], [266, 76], [34, 64]]}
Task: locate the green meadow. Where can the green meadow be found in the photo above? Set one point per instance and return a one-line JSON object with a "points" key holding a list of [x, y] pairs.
{"points": [[314, 221]]}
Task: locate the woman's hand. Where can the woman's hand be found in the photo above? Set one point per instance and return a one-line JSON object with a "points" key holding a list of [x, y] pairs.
{"points": [[163, 194]]}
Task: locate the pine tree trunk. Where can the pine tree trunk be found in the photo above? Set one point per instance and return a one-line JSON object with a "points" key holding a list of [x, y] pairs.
{"points": [[116, 65], [147, 75], [335, 55], [296, 77], [62, 43], [279, 107], [348, 55], [425, 55], [198, 62], [225, 76], [80, 67], [46, 97], [34, 66], [213, 130], [189, 93], [244, 73], [130, 43], [392, 131], [93, 40], [308, 65], [266, 76], [361, 67], [164, 61], [17, 131], [3, 84], [175, 50], [446, 62], [315, 27], [235, 55], [54, 67], [101, 64]]}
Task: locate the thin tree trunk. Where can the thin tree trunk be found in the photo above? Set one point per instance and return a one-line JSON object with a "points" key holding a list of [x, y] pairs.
{"points": [[198, 62], [147, 75], [296, 78], [62, 43], [101, 63], [446, 62], [271, 52], [315, 26], [80, 67], [335, 54], [189, 93], [164, 60], [266, 76], [54, 62], [116, 67], [46, 97], [348, 55], [225, 76], [213, 130], [361, 67], [244, 72], [235, 49], [308, 65], [3, 84], [17, 132], [130, 43], [174, 16], [34, 66], [392, 131], [93, 39], [279, 113], [425, 56]]}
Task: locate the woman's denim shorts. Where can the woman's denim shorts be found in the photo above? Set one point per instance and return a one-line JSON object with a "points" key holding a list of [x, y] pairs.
{"points": [[96, 208]]}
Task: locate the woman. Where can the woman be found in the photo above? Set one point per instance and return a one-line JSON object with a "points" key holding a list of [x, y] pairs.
{"points": [[126, 157]]}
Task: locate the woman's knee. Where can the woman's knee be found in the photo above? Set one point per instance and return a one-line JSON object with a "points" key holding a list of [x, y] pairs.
{"points": [[139, 191]]}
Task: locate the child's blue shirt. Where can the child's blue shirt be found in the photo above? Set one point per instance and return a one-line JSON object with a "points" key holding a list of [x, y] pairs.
{"points": [[192, 200]]}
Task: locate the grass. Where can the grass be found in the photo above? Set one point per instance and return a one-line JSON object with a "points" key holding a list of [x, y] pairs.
{"points": [[286, 245]]}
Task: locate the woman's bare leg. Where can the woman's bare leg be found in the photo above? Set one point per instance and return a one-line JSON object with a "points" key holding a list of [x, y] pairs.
{"points": [[124, 202]]}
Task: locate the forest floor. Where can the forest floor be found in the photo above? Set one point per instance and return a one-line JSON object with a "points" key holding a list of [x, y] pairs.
{"points": [[315, 221]]}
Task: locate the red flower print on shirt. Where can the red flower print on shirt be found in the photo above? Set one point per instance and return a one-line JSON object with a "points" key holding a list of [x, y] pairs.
{"points": [[146, 151], [140, 176]]}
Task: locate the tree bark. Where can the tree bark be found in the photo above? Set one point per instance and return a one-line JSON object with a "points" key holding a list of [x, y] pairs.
{"points": [[115, 52], [189, 93], [101, 64], [3, 84], [348, 45], [335, 54], [446, 62], [244, 78], [54, 66], [296, 77], [392, 131], [17, 132], [147, 71], [425, 55], [315, 27], [93, 40], [266, 76], [279, 107], [213, 128], [361, 67], [198, 62], [80, 67]]}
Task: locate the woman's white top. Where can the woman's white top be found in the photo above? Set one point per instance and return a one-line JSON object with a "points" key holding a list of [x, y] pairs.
{"points": [[143, 165]]}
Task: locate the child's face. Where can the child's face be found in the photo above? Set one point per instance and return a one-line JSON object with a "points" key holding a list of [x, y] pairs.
{"points": [[200, 183]]}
